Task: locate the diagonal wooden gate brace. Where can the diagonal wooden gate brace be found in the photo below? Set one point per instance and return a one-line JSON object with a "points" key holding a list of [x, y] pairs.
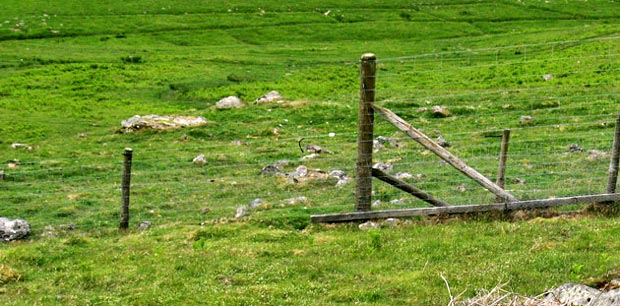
{"points": [[402, 185], [444, 154]]}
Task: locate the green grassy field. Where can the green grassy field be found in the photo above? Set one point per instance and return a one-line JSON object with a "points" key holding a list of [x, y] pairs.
{"points": [[71, 71]]}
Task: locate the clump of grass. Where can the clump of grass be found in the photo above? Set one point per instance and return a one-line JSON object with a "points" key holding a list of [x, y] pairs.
{"points": [[499, 296], [9, 275]]}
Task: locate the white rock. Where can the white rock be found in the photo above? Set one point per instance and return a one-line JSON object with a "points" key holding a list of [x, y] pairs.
{"points": [[200, 160], [368, 226], [271, 97], [242, 212], [229, 102]]}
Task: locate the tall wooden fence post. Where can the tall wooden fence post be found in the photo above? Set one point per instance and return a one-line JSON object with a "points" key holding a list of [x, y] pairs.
{"points": [[503, 156], [368, 68], [124, 224], [615, 156]]}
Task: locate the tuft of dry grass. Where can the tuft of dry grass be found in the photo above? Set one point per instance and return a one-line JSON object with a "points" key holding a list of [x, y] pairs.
{"points": [[498, 296], [8, 275]]}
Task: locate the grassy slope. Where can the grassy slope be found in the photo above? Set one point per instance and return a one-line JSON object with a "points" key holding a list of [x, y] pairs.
{"points": [[63, 74]]}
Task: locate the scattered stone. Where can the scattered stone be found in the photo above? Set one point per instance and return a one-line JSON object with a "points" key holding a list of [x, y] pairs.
{"points": [[82, 135], [1, 175], [368, 226], [271, 97], [312, 148], [390, 222], [157, 122], [21, 145], [443, 142], [341, 176], [200, 160], [205, 210], [387, 167], [392, 141], [281, 163], [295, 200], [398, 202], [144, 225], [256, 203], [403, 175], [242, 211], [184, 137], [13, 164], [440, 111], [547, 77], [572, 294], [575, 148], [461, 188], [376, 203], [229, 102], [271, 170], [13, 229], [526, 120], [310, 156], [422, 109]]}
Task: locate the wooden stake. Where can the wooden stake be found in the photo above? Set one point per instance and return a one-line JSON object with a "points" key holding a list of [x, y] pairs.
{"points": [[444, 154], [615, 156], [124, 224], [503, 154], [402, 185], [363, 190]]}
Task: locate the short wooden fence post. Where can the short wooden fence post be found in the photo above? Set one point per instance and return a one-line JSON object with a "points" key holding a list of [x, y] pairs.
{"points": [[503, 156], [615, 156], [126, 184], [368, 68]]}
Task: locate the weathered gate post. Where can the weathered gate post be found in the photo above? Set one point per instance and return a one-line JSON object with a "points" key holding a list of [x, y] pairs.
{"points": [[615, 157], [368, 68]]}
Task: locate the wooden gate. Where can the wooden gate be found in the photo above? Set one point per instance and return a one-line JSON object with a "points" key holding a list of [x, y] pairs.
{"points": [[365, 172]]}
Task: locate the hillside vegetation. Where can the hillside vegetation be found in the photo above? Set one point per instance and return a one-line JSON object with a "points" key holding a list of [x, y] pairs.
{"points": [[71, 71]]}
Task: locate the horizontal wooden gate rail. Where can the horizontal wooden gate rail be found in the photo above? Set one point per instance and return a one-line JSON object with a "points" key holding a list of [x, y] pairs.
{"points": [[365, 172], [463, 209]]}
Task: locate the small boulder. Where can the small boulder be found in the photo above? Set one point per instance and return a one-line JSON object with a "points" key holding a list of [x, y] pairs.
{"points": [[229, 102], [144, 225], [368, 226], [271, 97], [575, 148], [524, 120], [200, 160], [440, 111], [13, 229]]}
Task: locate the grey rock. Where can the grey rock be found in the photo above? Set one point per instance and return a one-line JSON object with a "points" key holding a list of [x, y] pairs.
{"points": [[144, 225], [526, 120], [271, 170], [242, 212], [443, 142], [547, 77], [609, 298], [157, 122], [387, 167], [13, 229], [1, 175], [200, 160], [572, 294], [256, 203], [368, 226], [295, 200], [271, 97], [440, 111], [229, 102], [312, 148], [575, 148]]}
